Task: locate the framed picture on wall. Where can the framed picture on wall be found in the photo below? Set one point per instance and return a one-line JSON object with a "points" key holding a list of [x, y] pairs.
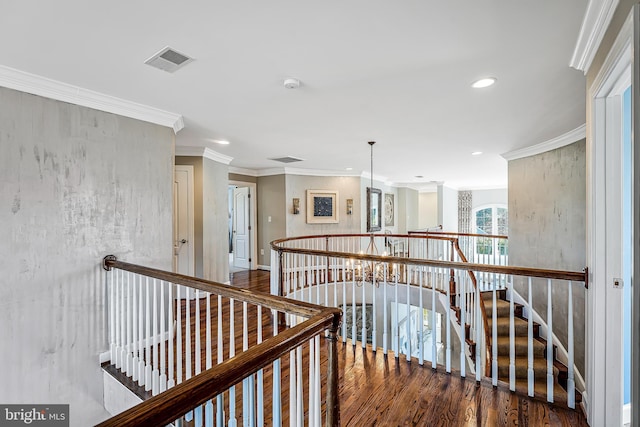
{"points": [[322, 207], [388, 209], [374, 209]]}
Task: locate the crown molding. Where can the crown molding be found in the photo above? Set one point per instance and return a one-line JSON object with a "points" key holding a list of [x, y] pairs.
{"points": [[560, 141], [48, 88], [205, 152], [243, 171], [594, 26]]}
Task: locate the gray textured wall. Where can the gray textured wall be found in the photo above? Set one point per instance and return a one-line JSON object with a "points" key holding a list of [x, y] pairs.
{"points": [[77, 184], [547, 229]]}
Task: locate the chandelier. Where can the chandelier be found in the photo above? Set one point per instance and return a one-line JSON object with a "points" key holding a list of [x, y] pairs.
{"points": [[369, 271]]}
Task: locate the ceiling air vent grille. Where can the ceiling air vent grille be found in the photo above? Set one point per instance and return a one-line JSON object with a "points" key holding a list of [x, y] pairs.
{"points": [[168, 60], [287, 159]]}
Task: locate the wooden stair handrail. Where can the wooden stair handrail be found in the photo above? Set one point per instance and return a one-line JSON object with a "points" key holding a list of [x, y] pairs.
{"points": [[575, 276], [172, 404], [483, 310]]}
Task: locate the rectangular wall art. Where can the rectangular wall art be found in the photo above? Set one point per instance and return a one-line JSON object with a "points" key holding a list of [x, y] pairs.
{"points": [[322, 207]]}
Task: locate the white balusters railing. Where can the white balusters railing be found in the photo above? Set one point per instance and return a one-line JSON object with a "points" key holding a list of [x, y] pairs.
{"points": [[164, 333], [417, 295]]}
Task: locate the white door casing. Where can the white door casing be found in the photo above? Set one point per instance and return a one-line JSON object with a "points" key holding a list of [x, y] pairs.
{"points": [[604, 397], [183, 221], [241, 228]]}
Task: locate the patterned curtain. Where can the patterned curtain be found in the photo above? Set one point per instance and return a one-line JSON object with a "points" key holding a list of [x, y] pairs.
{"points": [[465, 224]]}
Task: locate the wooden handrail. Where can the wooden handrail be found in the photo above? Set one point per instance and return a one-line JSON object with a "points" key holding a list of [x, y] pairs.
{"points": [[299, 308], [172, 404], [485, 322], [575, 276], [445, 233]]}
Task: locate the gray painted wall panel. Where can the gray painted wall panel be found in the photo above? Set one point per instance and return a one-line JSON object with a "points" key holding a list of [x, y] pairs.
{"points": [[77, 184], [547, 229]]}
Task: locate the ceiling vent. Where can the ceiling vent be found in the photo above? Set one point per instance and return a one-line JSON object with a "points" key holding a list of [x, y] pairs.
{"points": [[168, 60], [287, 159]]}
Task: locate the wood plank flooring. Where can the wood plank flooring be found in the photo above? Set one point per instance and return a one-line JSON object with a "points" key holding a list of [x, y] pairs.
{"points": [[379, 390]]}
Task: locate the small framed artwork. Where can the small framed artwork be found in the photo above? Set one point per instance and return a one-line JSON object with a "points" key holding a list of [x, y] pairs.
{"points": [[322, 207], [374, 209], [388, 209]]}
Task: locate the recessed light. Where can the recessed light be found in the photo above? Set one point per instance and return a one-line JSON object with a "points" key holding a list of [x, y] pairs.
{"points": [[484, 82], [476, 153], [220, 141], [419, 176], [349, 169]]}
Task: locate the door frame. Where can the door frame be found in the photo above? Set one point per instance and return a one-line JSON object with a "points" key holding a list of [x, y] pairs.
{"points": [[604, 396], [253, 203], [190, 216]]}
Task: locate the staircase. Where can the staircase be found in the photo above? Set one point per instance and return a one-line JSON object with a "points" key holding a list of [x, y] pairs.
{"points": [[560, 371]]}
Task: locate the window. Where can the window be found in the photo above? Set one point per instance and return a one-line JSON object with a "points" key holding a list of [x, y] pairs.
{"points": [[492, 220]]}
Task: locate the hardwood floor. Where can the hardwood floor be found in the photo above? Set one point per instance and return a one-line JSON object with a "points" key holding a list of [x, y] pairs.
{"points": [[378, 390]]}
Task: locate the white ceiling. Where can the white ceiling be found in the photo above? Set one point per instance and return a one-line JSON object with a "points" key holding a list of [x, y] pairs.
{"points": [[395, 72]]}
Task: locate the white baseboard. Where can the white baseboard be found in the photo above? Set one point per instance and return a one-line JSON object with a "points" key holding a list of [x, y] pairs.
{"points": [[626, 414], [104, 357], [264, 267]]}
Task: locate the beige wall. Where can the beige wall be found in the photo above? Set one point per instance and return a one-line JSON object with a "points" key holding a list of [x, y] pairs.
{"points": [[428, 210], [196, 162], [242, 178], [215, 221], [408, 210], [547, 229], [211, 215], [347, 187], [271, 203]]}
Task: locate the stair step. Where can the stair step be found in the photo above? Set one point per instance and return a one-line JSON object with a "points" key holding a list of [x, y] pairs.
{"points": [[521, 367], [520, 325], [521, 346], [503, 308]]}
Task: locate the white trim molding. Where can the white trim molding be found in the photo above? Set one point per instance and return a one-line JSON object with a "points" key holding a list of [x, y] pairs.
{"points": [[594, 25], [48, 88], [565, 139], [205, 152]]}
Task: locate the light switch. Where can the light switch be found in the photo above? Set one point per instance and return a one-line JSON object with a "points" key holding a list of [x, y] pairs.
{"points": [[269, 218]]}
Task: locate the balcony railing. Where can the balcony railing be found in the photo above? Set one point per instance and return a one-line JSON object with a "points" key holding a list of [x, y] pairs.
{"points": [[211, 354], [417, 295]]}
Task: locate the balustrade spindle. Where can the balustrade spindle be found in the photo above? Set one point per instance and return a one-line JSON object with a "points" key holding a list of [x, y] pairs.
{"points": [[232, 352], [434, 341], [420, 331], [148, 369], [171, 376], [512, 338], [220, 417], [134, 342], [494, 331], [163, 337], [384, 309], [408, 322], [276, 406], [129, 326], [141, 317], [571, 384], [549, 341], [448, 330], [364, 313], [530, 372], [179, 353], [155, 373], [479, 336], [396, 327], [463, 309]]}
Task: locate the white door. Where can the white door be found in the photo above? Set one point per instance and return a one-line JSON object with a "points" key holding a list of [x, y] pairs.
{"points": [[183, 228], [241, 228]]}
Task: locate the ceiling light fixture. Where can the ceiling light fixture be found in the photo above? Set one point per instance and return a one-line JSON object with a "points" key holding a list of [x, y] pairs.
{"points": [[476, 153], [483, 82], [221, 142]]}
